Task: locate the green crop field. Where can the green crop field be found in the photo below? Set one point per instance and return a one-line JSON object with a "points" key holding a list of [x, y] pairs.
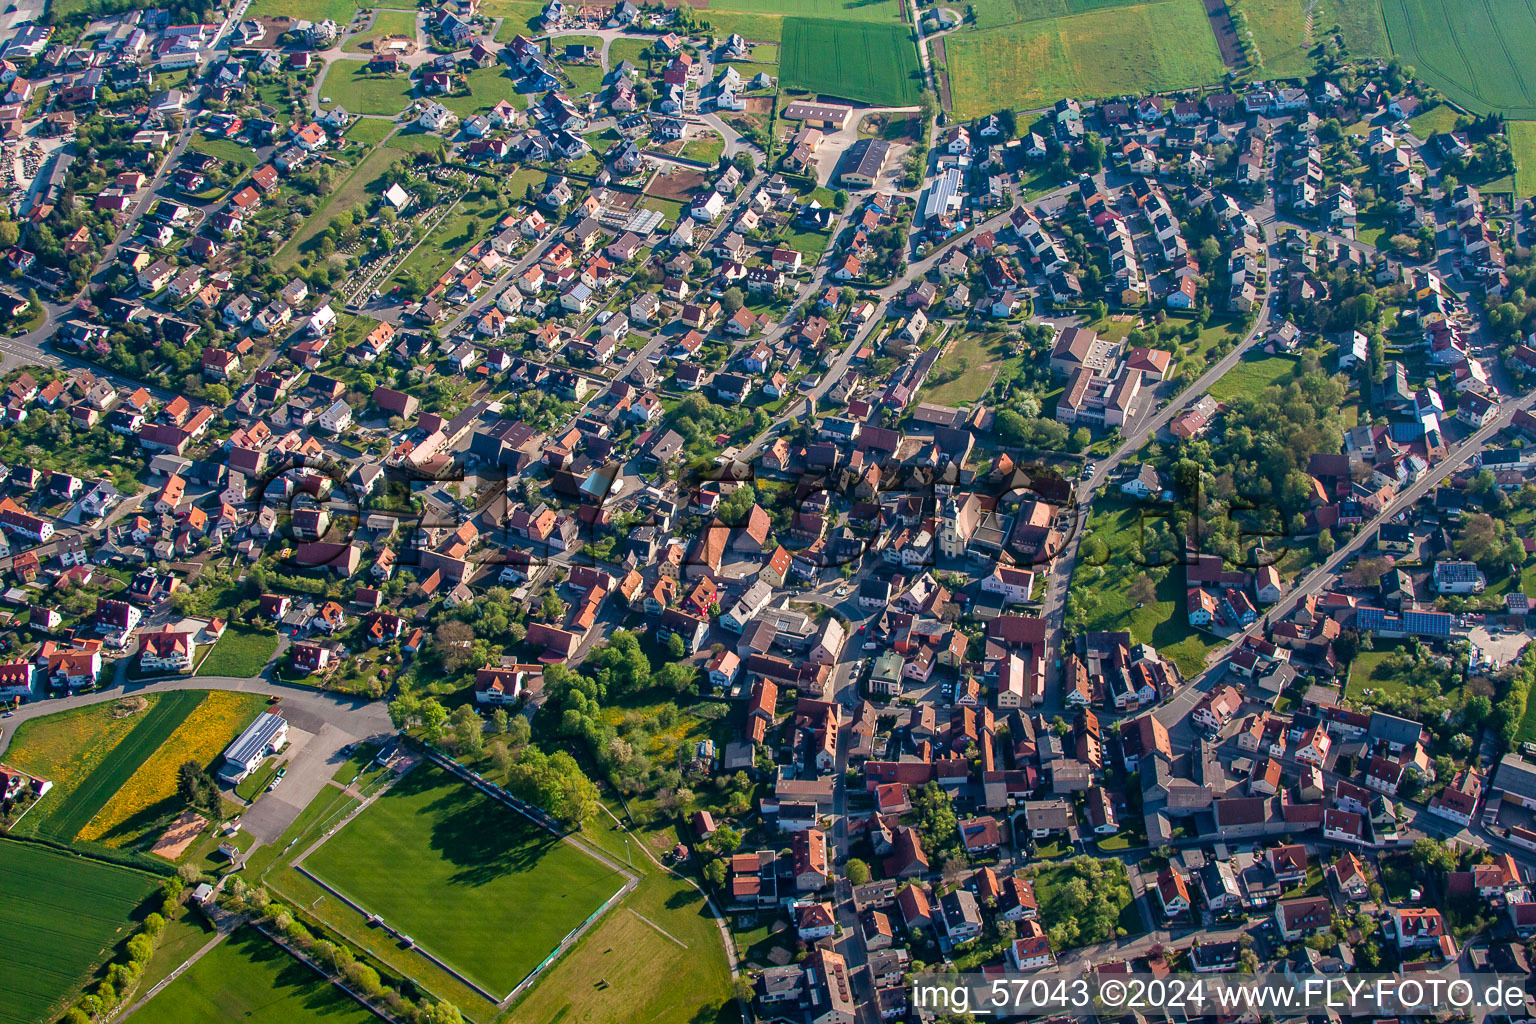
{"points": [[992, 13], [242, 651], [1144, 48], [863, 61], [349, 86], [1474, 52], [1252, 374], [150, 730], [468, 878], [837, 10], [250, 979], [60, 917]]}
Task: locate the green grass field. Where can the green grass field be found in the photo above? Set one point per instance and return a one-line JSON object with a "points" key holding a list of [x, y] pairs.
{"points": [[1280, 31], [64, 818], [339, 11], [1252, 374], [1438, 118], [1358, 21], [349, 86], [1153, 47], [60, 918], [468, 878], [873, 63], [250, 979], [1522, 146], [225, 150], [385, 23], [628, 949], [1103, 591], [981, 356], [837, 10], [755, 28], [487, 87], [1475, 53], [241, 651]]}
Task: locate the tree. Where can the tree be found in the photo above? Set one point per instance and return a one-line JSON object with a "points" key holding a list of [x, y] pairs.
{"points": [[857, 871], [433, 717], [840, 200], [499, 720], [519, 732], [1143, 590], [675, 646], [468, 731], [731, 300], [715, 872], [1433, 856], [744, 163], [452, 640]]}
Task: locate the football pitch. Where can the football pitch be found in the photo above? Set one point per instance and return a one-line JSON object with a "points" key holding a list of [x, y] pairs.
{"points": [[470, 880]]}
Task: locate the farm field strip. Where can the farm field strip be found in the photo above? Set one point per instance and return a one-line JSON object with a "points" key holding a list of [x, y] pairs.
{"points": [[153, 729]]}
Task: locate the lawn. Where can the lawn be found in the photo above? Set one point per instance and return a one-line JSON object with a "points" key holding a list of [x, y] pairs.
{"points": [[866, 61], [66, 748], [973, 360], [248, 978], [487, 87], [350, 86], [1527, 732], [255, 784], [1280, 32], [243, 651], [1439, 118], [339, 11], [1522, 146], [62, 819], [1155, 47], [225, 150], [1100, 593], [369, 132], [1252, 374], [60, 918], [385, 23], [519, 16], [468, 878], [1474, 53]]}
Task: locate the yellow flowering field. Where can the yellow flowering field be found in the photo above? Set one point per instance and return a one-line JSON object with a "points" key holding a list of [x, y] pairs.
{"points": [[135, 808]]}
